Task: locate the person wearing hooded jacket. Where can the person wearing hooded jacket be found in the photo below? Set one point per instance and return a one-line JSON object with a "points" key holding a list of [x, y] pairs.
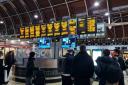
{"points": [[82, 67], [103, 64]]}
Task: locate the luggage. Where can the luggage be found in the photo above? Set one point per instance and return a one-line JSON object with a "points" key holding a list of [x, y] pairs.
{"points": [[39, 77]]}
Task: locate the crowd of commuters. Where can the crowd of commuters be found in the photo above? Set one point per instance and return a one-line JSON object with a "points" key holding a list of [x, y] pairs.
{"points": [[80, 69]]}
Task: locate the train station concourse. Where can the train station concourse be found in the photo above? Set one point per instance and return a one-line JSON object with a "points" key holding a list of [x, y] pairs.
{"points": [[63, 42]]}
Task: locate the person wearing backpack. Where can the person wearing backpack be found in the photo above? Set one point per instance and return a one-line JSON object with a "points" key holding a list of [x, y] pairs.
{"points": [[107, 70], [118, 58]]}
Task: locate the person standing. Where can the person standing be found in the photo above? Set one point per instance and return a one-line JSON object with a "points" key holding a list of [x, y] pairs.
{"points": [[30, 68], [82, 67], [107, 70], [9, 61], [1, 68], [66, 76], [118, 57]]}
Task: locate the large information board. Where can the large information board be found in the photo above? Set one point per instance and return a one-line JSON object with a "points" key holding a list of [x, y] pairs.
{"points": [[82, 26], [32, 31], [50, 30], [22, 33], [37, 31], [64, 28], [72, 26], [91, 25], [57, 29], [43, 31], [27, 32]]}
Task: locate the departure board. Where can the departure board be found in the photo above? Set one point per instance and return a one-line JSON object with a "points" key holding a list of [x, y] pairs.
{"points": [[50, 30], [72, 26], [82, 26], [43, 31], [32, 31], [37, 31], [22, 33], [64, 28], [91, 25], [27, 32], [57, 29]]}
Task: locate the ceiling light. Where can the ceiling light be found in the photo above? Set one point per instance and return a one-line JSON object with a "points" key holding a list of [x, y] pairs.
{"points": [[36, 16], [96, 4], [1, 22], [107, 14]]}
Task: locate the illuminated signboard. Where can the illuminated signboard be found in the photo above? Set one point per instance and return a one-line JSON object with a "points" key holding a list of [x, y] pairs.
{"points": [[57, 29], [32, 31], [50, 30], [37, 31], [81, 26], [64, 28], [91, 25], [22, 33], [72, 26], [27, 31], [43, 31]]}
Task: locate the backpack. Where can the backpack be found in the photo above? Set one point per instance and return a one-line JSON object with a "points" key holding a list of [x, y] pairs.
{"points": [[113, 72]]}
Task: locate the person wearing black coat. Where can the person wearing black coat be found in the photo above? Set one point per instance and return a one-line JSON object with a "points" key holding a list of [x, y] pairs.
{"points": [[1, 68], [67, 64], [103, 64], [30, 68], [9, 61], [82, 67], [118, 57]]}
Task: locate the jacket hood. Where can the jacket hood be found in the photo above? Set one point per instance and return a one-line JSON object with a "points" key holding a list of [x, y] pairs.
{"points": [[105, 59]]}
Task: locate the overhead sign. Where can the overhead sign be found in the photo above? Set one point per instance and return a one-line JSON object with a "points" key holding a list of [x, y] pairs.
{"points": [[43, 30], [82, 26], [32, 31], [22, 33], [91, 25], [57, 29], [27, 31], [64, 28], [37, 31], [72, 26], [101, 30], [50, 30]]}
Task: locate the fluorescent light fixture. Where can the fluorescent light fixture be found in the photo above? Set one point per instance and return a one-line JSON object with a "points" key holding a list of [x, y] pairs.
{"points": [[96, 4], [36, 16], [1, 22], [107, 14]]}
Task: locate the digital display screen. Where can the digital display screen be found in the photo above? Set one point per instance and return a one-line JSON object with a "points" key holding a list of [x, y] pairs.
{"points": [[82, 26], [37, 31], [43, 32], [44, 43], [50, 30], [96, 53], [72, 26], [27, 31], [22, 33], [64, 28], [91, 25], [68, 42], [57, 29], [32, 31]]}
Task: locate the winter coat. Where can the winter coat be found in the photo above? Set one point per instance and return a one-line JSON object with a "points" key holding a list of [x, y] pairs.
{"points": [[30, 67], [68, 63], [83, 66]]}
